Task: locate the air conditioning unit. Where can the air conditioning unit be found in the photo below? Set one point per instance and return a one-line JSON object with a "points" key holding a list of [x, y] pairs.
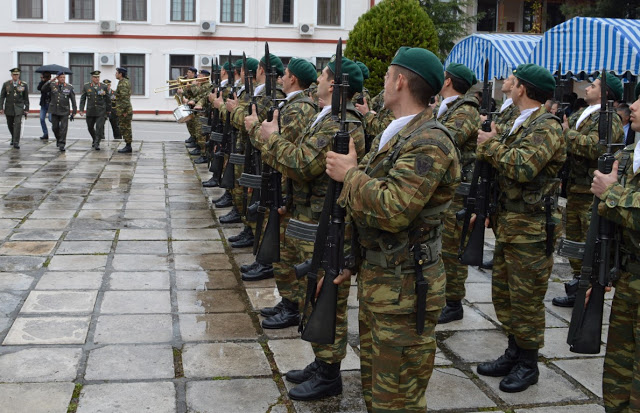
{"points": [[208, 26], [306, 29], [205, 61], [107, 59], [108, 26]]}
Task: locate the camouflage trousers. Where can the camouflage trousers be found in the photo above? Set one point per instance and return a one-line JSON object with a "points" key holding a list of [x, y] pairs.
{"points": [[456, 273], [124, 122], [578, 218], [285, 275], [621, 374], [519, 284], [195, 130], [237, 191]]}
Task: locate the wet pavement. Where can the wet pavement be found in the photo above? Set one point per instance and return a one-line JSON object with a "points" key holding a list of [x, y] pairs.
{"points": [[120, 293]]}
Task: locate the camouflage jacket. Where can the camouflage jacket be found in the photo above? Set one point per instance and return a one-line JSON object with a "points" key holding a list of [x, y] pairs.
{"points": [[123, 96], [63, 98], [377, 102], [583, 149], [395, 198], [364, 95], [96, 98], [14, 100], [505, 119], [377, 120], [203, 96], [462, 119], [527, 163], [304, 161]]}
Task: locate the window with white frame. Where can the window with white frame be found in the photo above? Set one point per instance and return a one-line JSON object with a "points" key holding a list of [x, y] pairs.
{"points": [[81, 64], [135, 65], [134, 10], [82, 9], [232, 11], [178, 65], [28, 62], [30, 9], [281, 12], [329, 12], [183, 10]]}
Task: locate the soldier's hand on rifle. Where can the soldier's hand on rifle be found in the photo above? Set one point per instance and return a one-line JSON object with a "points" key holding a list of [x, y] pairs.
{"points": [[603, 181], [268, 128], [485, 136], [472, 221], [338, 165], [217, 101], [340, 278], [249, 120], [198, 107], [588, 294], [565, 123], [232, 103], [364, 108], [483, 118]]}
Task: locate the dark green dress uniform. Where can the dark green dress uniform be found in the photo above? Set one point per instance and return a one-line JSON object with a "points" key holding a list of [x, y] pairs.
{"points": [[124, 109], [63, 99], [98, 104], [14, 100]]}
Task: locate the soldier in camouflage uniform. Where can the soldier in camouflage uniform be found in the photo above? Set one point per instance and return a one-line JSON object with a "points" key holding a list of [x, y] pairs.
{"points": [[304, 162], [184, 93], [113, 117], [527, 160], [123, 108], [15, 93], [621, 204], [63, 99], [294, 116], [200, 101], [581, 135], [396, 197], [376, 117], [459, 113], [95, 95]]}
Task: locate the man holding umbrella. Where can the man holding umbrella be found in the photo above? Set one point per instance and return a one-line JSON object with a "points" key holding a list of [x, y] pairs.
{"points": [[15, 93]]}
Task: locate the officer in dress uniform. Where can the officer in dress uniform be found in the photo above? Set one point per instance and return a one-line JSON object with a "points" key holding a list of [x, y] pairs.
{"points": [[113, 118], [63, 98], [14, 104], [96, 96]]}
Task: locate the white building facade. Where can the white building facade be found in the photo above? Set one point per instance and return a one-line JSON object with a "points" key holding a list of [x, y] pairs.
{"points": [[157, 40]]}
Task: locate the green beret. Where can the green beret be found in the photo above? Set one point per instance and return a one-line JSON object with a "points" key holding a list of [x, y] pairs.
{"points": [[303, 70], [364, 69], [275, 63], [226, 66], [238, 64], [252, 65], [537, 76], [462, 72], [614, 84], [350, 68], [423, 63], [637, 91]]}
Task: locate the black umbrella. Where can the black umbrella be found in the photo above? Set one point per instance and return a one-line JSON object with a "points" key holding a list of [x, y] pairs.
{"points": [[54, 69]]}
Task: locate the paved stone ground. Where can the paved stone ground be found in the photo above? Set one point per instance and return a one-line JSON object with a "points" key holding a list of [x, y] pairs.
{"points": [[119, 293]]}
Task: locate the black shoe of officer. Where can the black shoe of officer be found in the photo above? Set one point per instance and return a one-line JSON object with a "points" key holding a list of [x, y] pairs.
{"points": [[61, 147], [523, 374], [232, 217], [44, 137], [190, 140], [246, 231], [195, 152], [566, 301], [288, 316], [249, 267], [191, 145], [326, 382], [487, 265], [200, 160], [224, 201], [126, 149], [504, 364], [451, 312], [244, 242], [261, 272], [211, 183], [270, 312]]}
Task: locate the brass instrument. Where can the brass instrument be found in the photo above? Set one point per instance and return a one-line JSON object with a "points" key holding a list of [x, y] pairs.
{"points": [[179, 83]]}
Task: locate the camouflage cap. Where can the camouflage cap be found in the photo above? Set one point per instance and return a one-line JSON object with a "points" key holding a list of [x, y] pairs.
{"points": [[423, 63], [352, 69], [303, 70], [462, 72], [614, 84], [637, 91], [364, 69], [537, 76], [275, 63]]}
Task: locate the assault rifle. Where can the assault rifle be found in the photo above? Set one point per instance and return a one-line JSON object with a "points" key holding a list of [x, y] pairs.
{"points": [[229, 144], [328, 251], [600, 254], [478, 201], [248, 148], [214, 114], [558, 96], [218, 135]]}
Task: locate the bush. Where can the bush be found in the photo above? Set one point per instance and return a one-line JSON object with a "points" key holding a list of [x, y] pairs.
{"points": [[386, 27]]}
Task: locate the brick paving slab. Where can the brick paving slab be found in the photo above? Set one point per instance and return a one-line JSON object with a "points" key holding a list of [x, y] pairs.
{"points": [[115, 268]]}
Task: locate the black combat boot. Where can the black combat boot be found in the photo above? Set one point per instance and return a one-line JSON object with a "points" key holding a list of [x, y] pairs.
{"points": [[232, 217], [195, 152], [503, 365], [260, 272], [201, 160], [190, 140], [325, 383], [271, 311], [487, 265], [249, 267], [211, 183], [571, 288], [243, 234], [300, 376], [244, 242], [191, 145], [288, 316], [126, 149], [224, 201], [524, 374], [451, 312]]}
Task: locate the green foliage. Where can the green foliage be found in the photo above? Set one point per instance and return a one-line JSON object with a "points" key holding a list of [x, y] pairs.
{"points": [[451, 20], [616, 9], [381, 31]]}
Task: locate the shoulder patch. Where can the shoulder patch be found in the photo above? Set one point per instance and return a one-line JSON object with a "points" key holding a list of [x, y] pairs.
{"points": [[423, 164], [459, 123], [321, 142], [538, 139]]}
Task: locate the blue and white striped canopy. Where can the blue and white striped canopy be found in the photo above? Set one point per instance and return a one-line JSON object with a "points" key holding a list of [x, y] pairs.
{"points": [[587, 44], [504, 51]]}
